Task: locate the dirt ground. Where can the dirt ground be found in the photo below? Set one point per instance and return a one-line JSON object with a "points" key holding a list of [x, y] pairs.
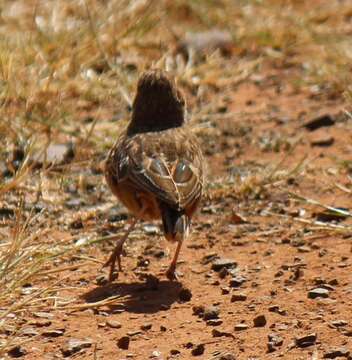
{"points": [[266, 271], [275, 260]]}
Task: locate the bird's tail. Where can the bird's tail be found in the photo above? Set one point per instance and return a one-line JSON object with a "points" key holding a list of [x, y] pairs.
{"points": [[176, 223]]}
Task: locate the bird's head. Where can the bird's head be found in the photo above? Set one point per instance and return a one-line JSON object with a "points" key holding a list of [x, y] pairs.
{"points": [[158, 104]]}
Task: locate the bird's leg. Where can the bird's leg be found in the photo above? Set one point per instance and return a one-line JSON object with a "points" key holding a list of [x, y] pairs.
{"points": [[171, 271], [116, 254]]}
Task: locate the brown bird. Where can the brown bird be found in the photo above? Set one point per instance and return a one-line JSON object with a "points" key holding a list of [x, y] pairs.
{"points": [[156, 167]]}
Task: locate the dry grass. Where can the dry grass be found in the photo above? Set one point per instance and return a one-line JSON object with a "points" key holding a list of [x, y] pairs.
{"points": [[67, 72]]}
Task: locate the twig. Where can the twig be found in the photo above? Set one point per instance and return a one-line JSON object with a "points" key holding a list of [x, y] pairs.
{"points": [[341, 212]]}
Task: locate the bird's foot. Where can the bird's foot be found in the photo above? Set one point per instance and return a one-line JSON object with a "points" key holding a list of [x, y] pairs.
{"points": [[171, 273], [115, 256]]}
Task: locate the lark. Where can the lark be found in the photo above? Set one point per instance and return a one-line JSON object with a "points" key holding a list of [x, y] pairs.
{"points": [[156, 167]]}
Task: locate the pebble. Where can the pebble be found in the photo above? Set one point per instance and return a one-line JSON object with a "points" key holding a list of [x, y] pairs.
{"points": [[318, 122], [55, 154], [185, 295], [220, 333], [225, 290], [237, 281], [240, 327], [276, 309], [198, 310], [198, 350], [227, 356], [155, 354], [274, 341], [211, 312], [221, 263], [214, 322], [151, 229], [238, 297], [17, 351], [53, 333], [113, 324], [146, 326], [336, 352], [318, 293], [339, 323], [29, 331], [134, 333], [259, 321], [123, 343], [74, 345], [101, 280], [306, 340]]}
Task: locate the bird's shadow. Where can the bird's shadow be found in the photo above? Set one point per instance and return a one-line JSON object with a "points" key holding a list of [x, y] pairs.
{"points": [[150, 296]]}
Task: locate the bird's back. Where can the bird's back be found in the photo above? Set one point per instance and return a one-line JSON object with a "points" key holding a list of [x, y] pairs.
{"points": [[165, 167]]}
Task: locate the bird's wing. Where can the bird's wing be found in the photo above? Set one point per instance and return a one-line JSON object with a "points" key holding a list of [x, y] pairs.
{"points": [[173, 173]]}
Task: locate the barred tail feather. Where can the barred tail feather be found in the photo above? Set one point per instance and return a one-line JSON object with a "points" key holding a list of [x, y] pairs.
{"points": [[176, 223]]}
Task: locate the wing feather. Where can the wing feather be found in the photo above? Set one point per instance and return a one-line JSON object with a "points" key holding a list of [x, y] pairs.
{"points": [[169, 166]]}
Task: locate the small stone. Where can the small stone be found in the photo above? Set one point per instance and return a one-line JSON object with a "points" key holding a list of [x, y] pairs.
{"points": [[74, 345], [101, 280], [113, 324], [220, 333], [347, 333], [274, 341], [227, 356], [198, 350], [277, 309], [259, 321], [337, 352], [40, 323], [211, 312], [304, 249], [17, 351], [237, 281], [198, 310], [238, 297], [29, 331], [214, 322], [146, 327], [318, 122], [241, 327], [54, 154], [133, 333], [221, 263], [185, 295], [339, 323], [175, 352], [223, 273], [74, 203], [123, 343], [322, 140], [151, 229], [53, 333], [155, 354], [306, 340], [318, 293], [225, 290]]}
